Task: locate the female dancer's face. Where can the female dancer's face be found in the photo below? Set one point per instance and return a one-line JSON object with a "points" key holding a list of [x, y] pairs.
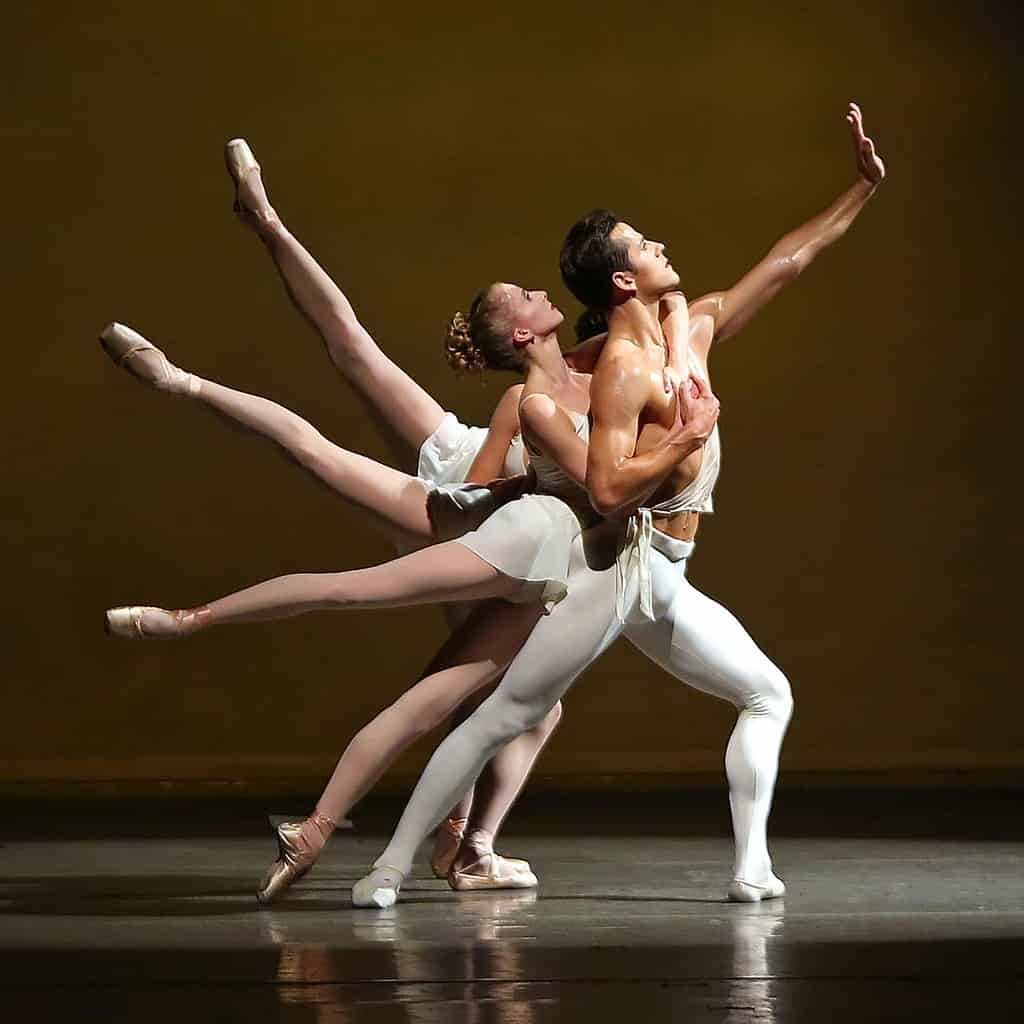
{"points": [[530, 309]]}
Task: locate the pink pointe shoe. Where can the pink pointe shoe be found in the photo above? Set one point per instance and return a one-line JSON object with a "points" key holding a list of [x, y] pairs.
{"points": [[139, 621], [143, 360], [251, 202], [446, 845], [295, 856], [479, 867]]}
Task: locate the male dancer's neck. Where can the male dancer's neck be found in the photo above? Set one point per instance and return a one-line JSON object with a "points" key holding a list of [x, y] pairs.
{"points": [[637, 319]]}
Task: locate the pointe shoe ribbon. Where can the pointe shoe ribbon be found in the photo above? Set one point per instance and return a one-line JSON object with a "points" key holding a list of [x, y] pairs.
{"points": [[446, 845]]}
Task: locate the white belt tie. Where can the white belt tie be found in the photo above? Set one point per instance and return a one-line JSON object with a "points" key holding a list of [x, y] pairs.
{"points": [[637, 548]]}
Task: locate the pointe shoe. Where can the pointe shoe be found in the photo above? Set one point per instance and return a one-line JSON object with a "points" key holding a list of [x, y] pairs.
{"points": [[446, 845], [492, 871], [744, 892], [121, 343], [251, 202], [379, 888], [294, 859], [138, 621], [487, 869]]}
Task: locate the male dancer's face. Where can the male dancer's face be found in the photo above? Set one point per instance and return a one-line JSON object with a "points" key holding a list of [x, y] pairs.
{"points": [[652, 274]]}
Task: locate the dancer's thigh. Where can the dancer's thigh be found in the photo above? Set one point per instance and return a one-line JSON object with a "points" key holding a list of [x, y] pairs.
{"points": [[472, 658], [395, 501], [443, 572], [577, 631], [699, 641]]}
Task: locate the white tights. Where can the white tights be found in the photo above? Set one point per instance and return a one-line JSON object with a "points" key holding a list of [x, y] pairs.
{"points": [[694, 638]]}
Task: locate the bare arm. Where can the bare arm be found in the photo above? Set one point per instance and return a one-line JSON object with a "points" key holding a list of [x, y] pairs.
{"points": [[618, 480], [733, 309], [550, 429], [675, 325], [490, 460]]}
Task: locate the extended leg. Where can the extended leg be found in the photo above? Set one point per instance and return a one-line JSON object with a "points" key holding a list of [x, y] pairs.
{"points": [[395, 500], [444, 572], [703, 644], [404, 411]]}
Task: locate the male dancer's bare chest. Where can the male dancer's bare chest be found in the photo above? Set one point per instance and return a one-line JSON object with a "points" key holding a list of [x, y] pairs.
{"points": [[657, 418]]}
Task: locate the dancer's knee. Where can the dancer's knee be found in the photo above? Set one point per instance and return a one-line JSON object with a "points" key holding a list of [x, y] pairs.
{"points": [[771, 695], [550, 721], [309, 448], [501, 721]]}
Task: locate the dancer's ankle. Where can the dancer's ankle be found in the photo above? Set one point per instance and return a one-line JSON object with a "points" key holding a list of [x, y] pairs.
{"points": [[316, 830], [480, 840]]}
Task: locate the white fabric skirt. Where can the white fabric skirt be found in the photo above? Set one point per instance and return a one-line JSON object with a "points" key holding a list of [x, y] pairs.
{"points": [[529, 540], [447, 455]]}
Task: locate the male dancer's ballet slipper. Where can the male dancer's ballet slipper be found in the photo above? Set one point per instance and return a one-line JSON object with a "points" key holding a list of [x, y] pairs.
{"points": [[295, 857], [379, 888], [138, 621], [744, 892], [124, 346], [446, 845], [251, 202]]}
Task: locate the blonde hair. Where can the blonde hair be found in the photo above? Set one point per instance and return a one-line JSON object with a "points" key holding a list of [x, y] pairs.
{"points": [[482, 340], [459, 349]]}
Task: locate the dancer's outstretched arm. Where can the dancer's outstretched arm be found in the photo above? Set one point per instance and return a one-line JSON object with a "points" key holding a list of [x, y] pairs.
{"points": [[731, 310], [405, 412]]}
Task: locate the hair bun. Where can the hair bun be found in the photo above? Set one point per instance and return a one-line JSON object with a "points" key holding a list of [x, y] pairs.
{"points": [[462, 354]]}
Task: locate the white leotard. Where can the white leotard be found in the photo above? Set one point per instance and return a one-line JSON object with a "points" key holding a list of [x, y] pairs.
{"points": [[530, 539]]}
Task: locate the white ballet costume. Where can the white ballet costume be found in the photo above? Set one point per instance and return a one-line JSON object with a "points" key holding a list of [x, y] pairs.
{"points": [[645, 594]]}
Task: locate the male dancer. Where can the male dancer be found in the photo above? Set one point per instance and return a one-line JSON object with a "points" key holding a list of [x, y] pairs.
{"points": [[610, 265]]}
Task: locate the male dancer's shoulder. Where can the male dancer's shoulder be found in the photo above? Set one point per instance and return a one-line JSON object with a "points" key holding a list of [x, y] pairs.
{"points": [[620, 375]]}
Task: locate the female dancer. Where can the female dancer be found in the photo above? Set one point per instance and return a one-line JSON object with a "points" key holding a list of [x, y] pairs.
{"points": [[367, 484]]}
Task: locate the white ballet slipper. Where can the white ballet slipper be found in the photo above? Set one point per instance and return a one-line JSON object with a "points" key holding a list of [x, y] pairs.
{"points": [[745, 892], [379, 888]]}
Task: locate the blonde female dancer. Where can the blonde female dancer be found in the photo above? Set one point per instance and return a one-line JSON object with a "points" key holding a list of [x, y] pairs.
{"points": [[368, 485]]}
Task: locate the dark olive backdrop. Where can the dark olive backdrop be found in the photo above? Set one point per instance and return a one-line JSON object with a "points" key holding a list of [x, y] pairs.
{"points": [[866, 529]]}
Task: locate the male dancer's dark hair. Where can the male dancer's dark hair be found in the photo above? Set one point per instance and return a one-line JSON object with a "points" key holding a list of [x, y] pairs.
{"points": [[589, 257]]}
